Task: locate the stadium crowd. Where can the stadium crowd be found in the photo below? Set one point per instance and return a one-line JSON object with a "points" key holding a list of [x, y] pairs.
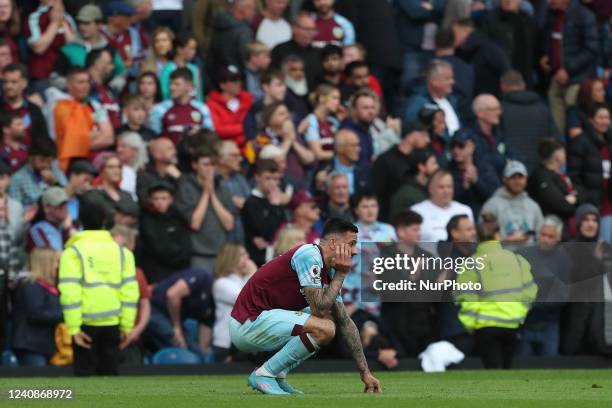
{"points": [[212, 135]]}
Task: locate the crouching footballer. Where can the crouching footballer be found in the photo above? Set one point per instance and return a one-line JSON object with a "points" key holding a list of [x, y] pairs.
{"points": [[268, 314]]}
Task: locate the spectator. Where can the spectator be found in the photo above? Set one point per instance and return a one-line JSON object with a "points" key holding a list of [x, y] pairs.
{"points": [[514, 31], [320, 126], [491, 144], [108, 183], [269, 26], [357, 75], [489, 60], [37, 310], [160, 51], [234, 181], [126, 213], [526, 120], [433, 117], [305, 216], [495, 317], [385, 133], [332, 28], [56, 226], [258, 61], [588, 165], [184, 48], [182, 116], [304, 30], [338, 199], [73, 54], [99, 65], [161, 167], [207, 207], [569, 53], [13, 149], [184, 295], [123, 36], [417, 23], [82, 127], [332, 64], [48, 29], [164, 244], [289, 238], [5, 56], [288, 183], [14, 84], [83, 304], [10, 26], [233, 269], [391, 168], [550, 187], [202, 17], [132, 152], [550, 266], [168, 14], [591, 92], [13, 210], [463, 88], [273, 90], [40, 172], [475, 181], [414, 187], [81, 174], [229, 105], [357, 52], [347, 148], [264, 211], [440, 81], [149, 89], [439, 208], [519, 216], [135, 112], [231, 35], [363, 112]]}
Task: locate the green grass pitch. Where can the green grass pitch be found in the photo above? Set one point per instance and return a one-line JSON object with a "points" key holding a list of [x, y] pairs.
{"points": [[490, 389]]}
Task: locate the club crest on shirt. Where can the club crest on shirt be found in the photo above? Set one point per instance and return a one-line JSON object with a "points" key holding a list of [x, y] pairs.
{"points": [[196, 116], [315, 273], [338, 32]]}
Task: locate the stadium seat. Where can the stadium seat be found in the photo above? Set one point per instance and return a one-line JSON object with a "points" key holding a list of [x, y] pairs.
{"points": [[9, 359], [175, 355]]}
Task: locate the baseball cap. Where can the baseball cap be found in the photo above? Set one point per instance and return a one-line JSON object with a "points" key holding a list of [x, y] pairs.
{"points": [[128, 206], [119, 8], [515, 167], [461, 137], [89, 13], [229, 73], [299, 198], [82, 166], [54, 196]]}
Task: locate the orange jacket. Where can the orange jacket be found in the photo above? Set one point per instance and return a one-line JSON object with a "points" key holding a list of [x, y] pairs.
{"points": [[73, 124]]}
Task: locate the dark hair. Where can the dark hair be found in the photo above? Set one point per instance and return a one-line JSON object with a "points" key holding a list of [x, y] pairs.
{"points": [[14, 67], [94, 55], [76, 71], [183, 73], [158, 92], [338, 226], [269, 75], [181, 40], [453, 224], [487, 227], [265, 165], [7, 118], [406, 218], [445, 38], [12, 26], [348, 71], [417, 157], [330, 49], [584, 99], [43, 146], [203, 151], [464, 22], [358, 198], [93, 213], [513, 78], [596, 107], [547, 147]]}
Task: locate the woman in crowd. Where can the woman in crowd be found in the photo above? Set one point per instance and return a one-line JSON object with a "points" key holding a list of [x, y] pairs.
{"points": [[149, 88], [108, 182], [588, 165], [233, 268], [37, 310], [132, 152], [432, 116], [591, 92], [185, 48], [289, 238], [10, 26], [321, 125], [159, 51]]}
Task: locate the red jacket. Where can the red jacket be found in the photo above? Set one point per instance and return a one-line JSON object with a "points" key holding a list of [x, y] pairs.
{"points": [[228, 124]]}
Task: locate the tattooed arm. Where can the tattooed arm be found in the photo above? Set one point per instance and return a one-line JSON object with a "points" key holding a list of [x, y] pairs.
{"points": [[321, 300]]}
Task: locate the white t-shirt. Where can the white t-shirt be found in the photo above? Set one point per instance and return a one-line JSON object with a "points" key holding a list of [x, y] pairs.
{"points": [[435, 219], [451, 118], [128, 181], [273, 33], [225, 292], [167, 4]]}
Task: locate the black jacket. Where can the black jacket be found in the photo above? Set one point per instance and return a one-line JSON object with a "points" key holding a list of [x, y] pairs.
{"points": [[164, 244], [526, 121], [310, 55], [260, 219], [228, 46], [389, 172], [489, 60], [548, 189], [488, 182], [585, 166], [36, 312]]}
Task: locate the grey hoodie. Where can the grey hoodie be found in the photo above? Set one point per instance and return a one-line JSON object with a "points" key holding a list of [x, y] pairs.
{"points": [[513, 214]]}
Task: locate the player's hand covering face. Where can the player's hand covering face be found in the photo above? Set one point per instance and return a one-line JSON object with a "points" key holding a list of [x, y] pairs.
{"points": [[344, 249]]}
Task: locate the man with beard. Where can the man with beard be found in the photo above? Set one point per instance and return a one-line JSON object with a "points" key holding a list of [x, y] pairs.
{"points": [[99, 64], [332, 28], [331, 61], [363, 112], [161, 168], [295, 77], [12, 149]]}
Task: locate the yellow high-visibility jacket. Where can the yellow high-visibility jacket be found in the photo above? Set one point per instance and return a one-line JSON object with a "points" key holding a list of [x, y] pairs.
{"points": [[97, 282], [507, 289]]}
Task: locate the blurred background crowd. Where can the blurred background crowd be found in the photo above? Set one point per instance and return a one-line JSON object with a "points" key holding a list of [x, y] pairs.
{"points": [[217, 134]]}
